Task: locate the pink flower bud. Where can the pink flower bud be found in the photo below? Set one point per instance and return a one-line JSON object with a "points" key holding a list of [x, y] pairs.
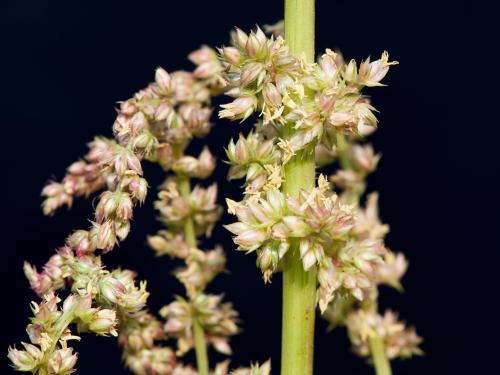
{"points": [[207, 69], [163, 111], [133, 163], [240, 38], [232, 55], [240, 108], [106, 206], [364, 157], [138, 123], [139, 189], [185, 165], [297, 227], [106, 238], [202, 55], [120, 163], [111, 289], [122, 229], [163, 80], [253, 45], [128, 108], [124, 206], [79, 242], [271, 95], [250, 239], [77, 168], [52, 189], [349, 281], [62, 361], [265, 258], [351, 73], [250, 73], [256, 42], [206, 163], [121, 126], [241, 151], [329, 64], [25, 360], [104, 322]]}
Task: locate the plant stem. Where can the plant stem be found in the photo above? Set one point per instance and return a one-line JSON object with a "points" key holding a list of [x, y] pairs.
{"points": [[59, 327], [200, 348], [299, 27], [380, 361], [200, 345], [299, 287], [189, 233]]}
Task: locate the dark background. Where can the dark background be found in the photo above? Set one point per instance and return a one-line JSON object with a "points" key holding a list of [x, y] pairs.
{"points": [[64, 64]]}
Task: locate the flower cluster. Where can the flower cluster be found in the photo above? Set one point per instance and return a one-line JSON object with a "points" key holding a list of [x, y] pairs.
{"points": [[217, 319], [155, 125], [399, 341], [49, 333], [86, 276], [267, 225], [83, 178], [199, 206], [319, 100], [141, 354], [383, 266], [309, 108], [187, 213], [101, 301], [255, 158]]}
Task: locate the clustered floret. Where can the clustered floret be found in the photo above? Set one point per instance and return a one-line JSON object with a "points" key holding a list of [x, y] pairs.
{"points": [[155, 125], [309, 107]]}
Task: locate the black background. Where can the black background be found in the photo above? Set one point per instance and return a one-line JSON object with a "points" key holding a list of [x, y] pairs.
{"points": [[64, 64]]}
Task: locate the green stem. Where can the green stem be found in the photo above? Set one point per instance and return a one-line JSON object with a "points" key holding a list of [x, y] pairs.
{"points": [[200, 345], [299, 27], [59, 327], [343, 150], [189, 232], [380, 361], [201, 348], [299, 287]]}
